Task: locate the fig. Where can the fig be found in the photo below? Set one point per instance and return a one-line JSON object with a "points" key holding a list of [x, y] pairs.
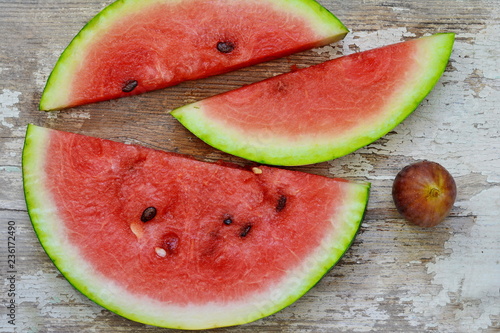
{"points": [[424, 193]]}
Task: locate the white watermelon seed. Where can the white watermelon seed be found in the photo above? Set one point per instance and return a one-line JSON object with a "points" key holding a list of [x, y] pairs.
{"points": [[160, 252], [256, 170], [137, 229]]}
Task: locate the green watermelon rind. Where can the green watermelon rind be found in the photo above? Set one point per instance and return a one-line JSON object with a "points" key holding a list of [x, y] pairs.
{"points": [[58, 86], [48, 226], [434, 51]]}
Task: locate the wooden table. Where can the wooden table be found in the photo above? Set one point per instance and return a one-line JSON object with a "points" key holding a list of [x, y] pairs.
{"points": [[395, 278]]}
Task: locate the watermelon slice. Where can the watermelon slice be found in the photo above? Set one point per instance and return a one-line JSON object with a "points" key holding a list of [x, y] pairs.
{"points": [[170, 241], [134, 46], [324, 111]]}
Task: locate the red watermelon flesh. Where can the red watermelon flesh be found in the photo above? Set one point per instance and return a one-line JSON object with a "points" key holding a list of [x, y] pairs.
{"points": [[134, 46], [325, 111], [227, 245]]}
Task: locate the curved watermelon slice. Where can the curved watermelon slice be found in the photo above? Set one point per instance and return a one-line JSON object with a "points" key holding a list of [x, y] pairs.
{"points": [[171, 241], [324, 111], [134, 46]]}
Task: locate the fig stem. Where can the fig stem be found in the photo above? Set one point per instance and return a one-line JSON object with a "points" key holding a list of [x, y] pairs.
{"points": [[434, 192]]}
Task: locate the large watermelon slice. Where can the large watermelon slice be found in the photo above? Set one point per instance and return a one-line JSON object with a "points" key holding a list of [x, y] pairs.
{"points": [[133, 46], [171, 241], [324, 111]]}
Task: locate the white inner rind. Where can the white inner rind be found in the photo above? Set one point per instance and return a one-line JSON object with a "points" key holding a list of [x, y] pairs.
{"points": [[50, 230]]}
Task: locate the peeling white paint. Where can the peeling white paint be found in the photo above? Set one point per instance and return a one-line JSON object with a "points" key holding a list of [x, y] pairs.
{"points": [[470, 275], [471, 270], [75, 114], [344, 307], [8, 100], [52, 114], [8, 168], [79, 115], [399, 9], [353, 165], [46, 61], [49, 292], [358, 41]]}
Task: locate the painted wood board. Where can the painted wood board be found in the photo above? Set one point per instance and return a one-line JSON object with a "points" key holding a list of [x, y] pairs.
{"points": [[395, 278]]}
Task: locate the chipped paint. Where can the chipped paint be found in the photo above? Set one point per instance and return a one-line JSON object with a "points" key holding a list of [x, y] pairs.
{"points": [[470, 274], [52, 114], [79, 115], [40, 288], [354, 165], [9, 168], [46, 61], [8, 110], [359, 41]]}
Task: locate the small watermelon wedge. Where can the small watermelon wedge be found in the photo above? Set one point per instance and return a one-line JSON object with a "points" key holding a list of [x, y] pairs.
{"points": [[170, 241], [325, 111], [134, 46]]}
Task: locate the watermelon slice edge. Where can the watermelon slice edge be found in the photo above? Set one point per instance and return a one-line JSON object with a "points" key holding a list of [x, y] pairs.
{"points": [[247, 307], [325, 111], [160, 43]]}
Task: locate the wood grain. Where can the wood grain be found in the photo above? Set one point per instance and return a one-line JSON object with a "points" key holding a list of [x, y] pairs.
{"points": [[396, 277]]}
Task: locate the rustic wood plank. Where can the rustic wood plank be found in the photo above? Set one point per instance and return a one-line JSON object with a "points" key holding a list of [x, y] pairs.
{"points": [[395, 278]]}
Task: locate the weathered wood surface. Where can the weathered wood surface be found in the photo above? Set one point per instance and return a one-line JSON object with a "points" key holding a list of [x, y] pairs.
{"points": [[395, 278]]}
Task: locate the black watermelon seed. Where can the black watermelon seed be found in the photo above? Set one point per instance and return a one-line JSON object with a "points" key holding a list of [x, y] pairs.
{"points": [[281, 203], [228, 221], [245, 230], [129, 86], [225, 47], [148, 214]]}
